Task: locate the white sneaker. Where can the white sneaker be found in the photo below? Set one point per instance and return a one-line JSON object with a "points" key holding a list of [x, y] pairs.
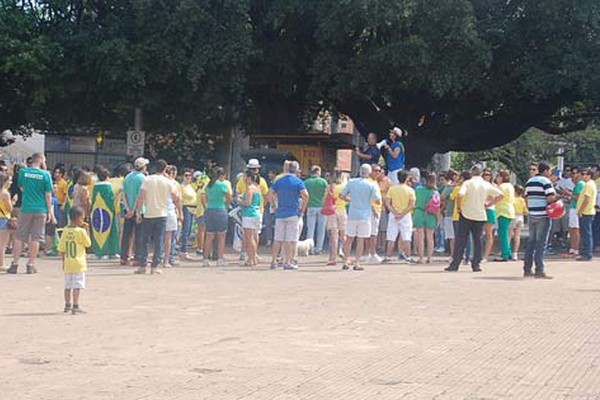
{"points": [[375, 259], [515, 257], [205, 263], [365, 259], [221, 263]]}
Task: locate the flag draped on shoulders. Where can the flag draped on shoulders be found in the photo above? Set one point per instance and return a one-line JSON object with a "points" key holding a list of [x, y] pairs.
{"points": [[105, 235]]}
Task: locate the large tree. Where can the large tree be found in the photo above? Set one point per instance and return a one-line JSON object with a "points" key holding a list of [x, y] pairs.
{"points": [[457, 74]]}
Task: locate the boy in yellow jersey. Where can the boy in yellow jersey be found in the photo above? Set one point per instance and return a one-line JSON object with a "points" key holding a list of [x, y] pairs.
{"points": [[72, 245]]}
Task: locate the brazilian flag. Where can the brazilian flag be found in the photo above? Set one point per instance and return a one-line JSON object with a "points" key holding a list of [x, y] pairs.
{"points": [[105, 234], [70, 187]]}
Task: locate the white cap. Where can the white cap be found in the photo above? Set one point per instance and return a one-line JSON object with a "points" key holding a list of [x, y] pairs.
{"points": [[141, 162], [253, 163]]}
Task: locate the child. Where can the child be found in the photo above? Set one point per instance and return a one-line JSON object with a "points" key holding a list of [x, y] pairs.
{"points": [[519, 221], [72, 246]]}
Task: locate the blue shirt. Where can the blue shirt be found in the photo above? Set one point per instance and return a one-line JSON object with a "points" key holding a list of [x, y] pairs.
{"points": [[362, 193], [374, 152], [537, 191], [132, 185], [288, 190], [394, 164]]}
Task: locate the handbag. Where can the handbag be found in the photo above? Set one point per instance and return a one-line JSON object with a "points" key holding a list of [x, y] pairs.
{"points": [[328, 204], [434, 203]]}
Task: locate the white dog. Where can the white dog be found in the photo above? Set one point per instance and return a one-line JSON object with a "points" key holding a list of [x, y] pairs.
{"points": [[304, 247]]}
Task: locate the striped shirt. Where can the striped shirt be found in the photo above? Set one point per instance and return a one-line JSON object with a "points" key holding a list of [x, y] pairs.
{"points": [[537, 191]]}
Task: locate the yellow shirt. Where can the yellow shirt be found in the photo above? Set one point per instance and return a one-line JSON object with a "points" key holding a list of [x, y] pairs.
{"points": [[61, 191], [340, 204], [188, 195], [73, 242], [506, 207], [475, 192], [376, 204], [589, 190], [400, 197], [520, 206], [454, 196], [240, 188]]}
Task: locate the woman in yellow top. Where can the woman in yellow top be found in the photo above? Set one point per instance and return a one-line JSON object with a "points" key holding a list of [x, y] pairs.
{"points": [[189, 199], [505, 210], [201, 182], [5, 212], [520, 212], [336, 223]]}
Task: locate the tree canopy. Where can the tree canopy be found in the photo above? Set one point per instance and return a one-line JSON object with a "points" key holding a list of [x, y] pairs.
{"points": [[457, 74]]}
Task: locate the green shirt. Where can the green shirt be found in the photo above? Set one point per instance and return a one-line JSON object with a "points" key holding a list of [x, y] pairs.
{"points": [[316, 187], [577, 191], [34, 183], [215, 195]]}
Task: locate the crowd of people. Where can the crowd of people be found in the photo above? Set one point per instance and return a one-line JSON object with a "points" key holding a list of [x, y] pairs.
{"points": [[402, 215]]}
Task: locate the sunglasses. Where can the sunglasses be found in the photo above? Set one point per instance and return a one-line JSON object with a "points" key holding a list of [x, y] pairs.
{"points": [[533, 169], [187, 175]]}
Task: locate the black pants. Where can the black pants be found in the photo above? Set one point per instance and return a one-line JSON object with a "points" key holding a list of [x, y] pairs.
{"points": [[466, 227], [129, 228]]}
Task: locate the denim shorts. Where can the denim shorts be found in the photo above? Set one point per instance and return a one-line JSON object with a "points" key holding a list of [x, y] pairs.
{"points": [[3, 224], [215, 220]]}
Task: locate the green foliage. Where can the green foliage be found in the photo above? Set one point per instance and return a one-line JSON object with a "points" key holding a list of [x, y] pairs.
{"points": [[578, 148], [476, 73]]}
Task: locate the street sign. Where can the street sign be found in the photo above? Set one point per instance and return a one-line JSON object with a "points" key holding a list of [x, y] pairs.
{"points": [[135, 143]]}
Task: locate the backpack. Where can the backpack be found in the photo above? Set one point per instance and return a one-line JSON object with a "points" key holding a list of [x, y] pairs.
{"points": [[434, 203]]}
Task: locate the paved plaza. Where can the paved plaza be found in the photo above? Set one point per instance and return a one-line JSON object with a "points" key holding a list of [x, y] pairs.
{"points": [[389, 332]]}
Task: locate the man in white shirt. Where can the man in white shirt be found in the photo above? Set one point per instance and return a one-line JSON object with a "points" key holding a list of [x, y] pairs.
{"points": [[476, 194], [153, 195]]}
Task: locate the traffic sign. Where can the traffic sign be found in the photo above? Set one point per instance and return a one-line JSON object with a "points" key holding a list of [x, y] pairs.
{"points": [[135, 143]]}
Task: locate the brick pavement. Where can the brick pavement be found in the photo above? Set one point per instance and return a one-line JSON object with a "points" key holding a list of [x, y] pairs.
{"points": [[390, 332]]}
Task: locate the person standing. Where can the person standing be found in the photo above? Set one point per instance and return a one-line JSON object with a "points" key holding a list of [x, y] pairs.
{"points": [[290, 197], [336, 223], [174, 216], [240, 188], [506, 214], [361, 193], [188, 200], [379, 213], [316, 222], [36, 210], [476, 194], [61, 194], [448, 208], [539, 192], [104, 228], [153, 195], [132, 185], [490, 211], [586, 212], [72, 245], [371, 153], [217, 197], [394, 154], [519, 221], [573, 217], [251, 221], [400, 202], [5, 216], [425, 218]]}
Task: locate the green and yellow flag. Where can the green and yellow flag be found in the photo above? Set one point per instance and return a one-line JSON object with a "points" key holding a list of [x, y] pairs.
{"points": [[105, 234]]}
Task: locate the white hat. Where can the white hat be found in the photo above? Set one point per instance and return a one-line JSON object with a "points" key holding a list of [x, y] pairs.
{"points": [[196, 174], [253, 163], [400, 132], [141, 162]]}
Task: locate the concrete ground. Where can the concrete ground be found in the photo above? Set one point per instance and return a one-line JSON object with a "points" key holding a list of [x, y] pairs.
{"points": [[389, 332]]}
